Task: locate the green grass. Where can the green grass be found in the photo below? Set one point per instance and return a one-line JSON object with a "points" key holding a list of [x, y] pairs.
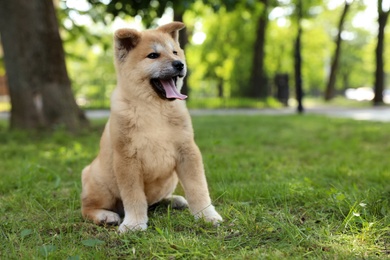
{"points": [[287, 187], [214, 103]]}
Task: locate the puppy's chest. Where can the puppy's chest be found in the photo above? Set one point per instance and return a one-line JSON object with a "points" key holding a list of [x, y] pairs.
{"points": [[157, 146]]}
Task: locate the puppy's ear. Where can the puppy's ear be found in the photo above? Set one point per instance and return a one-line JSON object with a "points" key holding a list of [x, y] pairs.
{"points": [[125, 41], [172, 29]]}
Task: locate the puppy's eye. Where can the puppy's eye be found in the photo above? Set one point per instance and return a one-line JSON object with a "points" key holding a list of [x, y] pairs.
{"points": [[153, 55], [175, 52]]}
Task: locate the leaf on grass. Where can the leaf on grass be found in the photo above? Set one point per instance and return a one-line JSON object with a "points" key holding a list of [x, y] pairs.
{"points": [[57, 182], [45, 250], [270, 229], [92, 242], [175, 247], [340, 197], [159, 231], [74, 257], [25, 232]]}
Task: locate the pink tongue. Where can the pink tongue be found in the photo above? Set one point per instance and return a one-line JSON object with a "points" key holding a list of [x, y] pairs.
{"points": [[170, 89]]}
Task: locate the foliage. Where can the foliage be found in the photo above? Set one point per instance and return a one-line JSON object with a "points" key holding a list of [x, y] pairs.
{"points": [[287, 187], [92, 73], [230, 37], [224, 59], [149, 10], [357, 49], [226, 54], [356, 52]]}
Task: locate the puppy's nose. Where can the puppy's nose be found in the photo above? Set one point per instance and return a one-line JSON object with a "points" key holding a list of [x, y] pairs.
{"points": [[178, 65]]}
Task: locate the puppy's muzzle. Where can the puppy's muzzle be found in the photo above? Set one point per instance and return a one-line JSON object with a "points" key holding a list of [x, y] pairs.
{"points": [[178, 65]]}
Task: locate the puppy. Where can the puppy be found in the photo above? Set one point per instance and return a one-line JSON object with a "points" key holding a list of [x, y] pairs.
{"points": [[148, 142]]}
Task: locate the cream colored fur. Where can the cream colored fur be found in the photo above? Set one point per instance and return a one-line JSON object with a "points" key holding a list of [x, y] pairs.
{"points": [[148, 142]]}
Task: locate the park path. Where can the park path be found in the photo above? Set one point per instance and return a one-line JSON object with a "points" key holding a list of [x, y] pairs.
{"points": [[381, 114], [372, 114]]}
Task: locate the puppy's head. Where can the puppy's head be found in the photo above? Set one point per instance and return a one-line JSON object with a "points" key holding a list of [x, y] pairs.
{"points": [[151, 59]]}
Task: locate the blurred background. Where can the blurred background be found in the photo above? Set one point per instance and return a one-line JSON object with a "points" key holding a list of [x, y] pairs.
{"points": [[244, 53]]}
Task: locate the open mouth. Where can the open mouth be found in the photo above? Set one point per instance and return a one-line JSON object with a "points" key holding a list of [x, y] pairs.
{"points": [[166, 88]]}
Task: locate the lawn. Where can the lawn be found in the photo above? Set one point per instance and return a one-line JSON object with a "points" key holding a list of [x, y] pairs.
{"points": [[287, 186]]}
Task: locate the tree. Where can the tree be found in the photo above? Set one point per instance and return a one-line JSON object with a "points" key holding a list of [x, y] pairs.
{"points": [[301, 11], [223, 61], [359, 51], [178, 15], [330, 87], [383, 14], [40, 89], [298, 59], [213, 60], [258, 81]]}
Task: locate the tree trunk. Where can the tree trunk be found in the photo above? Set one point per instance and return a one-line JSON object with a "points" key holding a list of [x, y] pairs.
{"points": [[379, 72], [40, 90], [298, 60], [258, 84], [330, 87], [283, 92], [220, 88], [183, 40]]}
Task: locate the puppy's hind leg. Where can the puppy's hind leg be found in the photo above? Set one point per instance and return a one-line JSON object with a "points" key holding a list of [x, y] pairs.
{"points": [[102, 216], [176, 201], [98, 204]]}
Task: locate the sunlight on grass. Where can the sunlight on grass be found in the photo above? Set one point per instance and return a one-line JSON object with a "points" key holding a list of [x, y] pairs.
{"points": [[5, 106], [338, 101]]}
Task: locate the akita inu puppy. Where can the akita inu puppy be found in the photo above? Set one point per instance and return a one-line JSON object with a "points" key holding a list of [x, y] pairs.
{"points": [[148, 143]]}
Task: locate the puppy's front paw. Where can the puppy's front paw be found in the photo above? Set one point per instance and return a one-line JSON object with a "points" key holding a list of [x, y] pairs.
{"points": [[209, 214], [123, 228]]}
